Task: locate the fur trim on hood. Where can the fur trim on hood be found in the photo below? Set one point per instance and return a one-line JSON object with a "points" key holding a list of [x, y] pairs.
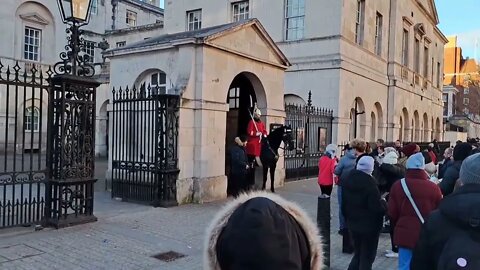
{"points": [[223, 216], [239, 142]]}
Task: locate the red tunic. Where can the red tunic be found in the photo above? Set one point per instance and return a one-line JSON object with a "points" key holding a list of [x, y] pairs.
{"points": [[253, 143]]}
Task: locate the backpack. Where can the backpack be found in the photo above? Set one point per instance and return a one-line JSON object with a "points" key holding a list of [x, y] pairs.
{"points": [[461, 252]]}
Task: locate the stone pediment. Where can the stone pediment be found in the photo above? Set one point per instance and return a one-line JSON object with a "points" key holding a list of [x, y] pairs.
{"points": [[430, 9], [35, 18], [249, 40]]}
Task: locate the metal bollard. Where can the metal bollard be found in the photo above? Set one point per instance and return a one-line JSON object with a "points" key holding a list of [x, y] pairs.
{"points": [[323, 223]]}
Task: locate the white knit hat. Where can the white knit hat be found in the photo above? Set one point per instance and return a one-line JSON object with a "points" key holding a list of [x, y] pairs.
{"points": [[390, 158]]}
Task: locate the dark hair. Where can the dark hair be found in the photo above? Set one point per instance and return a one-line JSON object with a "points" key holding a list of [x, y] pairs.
{"points": [[243, 137], [427, 157], [381, 141]]}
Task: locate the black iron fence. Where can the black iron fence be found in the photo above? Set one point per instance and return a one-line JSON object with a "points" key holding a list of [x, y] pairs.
{"points": [[312, 132], [144, 145], [23, 128]]}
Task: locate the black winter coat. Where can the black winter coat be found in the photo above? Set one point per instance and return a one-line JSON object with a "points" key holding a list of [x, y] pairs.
{"points": [[458, 212], [450, 178], [239, 161], [443, 168], [389, 174], [361, 203]]}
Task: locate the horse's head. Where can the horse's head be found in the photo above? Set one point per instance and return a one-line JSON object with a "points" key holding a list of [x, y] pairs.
{"points": [[282, 133], [288, 138]]}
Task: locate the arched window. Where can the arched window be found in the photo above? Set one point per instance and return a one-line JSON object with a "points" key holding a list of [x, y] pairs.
{"points": [[32, 119], [158, 80]]}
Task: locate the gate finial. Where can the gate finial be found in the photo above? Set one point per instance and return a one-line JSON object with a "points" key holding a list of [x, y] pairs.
{"points": [[309, 102]]}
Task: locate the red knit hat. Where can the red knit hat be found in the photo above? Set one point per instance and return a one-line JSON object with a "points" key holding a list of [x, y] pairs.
{"points": [[410, 149]]}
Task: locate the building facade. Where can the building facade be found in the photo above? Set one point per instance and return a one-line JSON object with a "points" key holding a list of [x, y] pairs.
{"points": [[34, 35], [461, 74], [219, 80], [384, 58]]}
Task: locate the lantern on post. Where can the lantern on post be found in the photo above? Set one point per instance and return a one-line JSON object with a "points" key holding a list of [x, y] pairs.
{"points": [[75, 13]]}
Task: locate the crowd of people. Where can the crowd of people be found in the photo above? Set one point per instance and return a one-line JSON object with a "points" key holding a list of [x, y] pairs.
{"points": [[429, 204]]}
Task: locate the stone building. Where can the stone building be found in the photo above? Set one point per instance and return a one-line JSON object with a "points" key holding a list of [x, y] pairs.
{"points": [[461, 93], [33, 34], [206, 67], [384, 58]]}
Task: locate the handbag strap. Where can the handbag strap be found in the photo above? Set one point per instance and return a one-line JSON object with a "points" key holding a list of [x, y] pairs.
{"points": [[409, 196]]}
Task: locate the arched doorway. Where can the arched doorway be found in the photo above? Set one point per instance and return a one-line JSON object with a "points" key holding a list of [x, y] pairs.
{"points": [[426, 129], [417, 128], [358, 118], [373, 127], [406, 125], [244, 92], [380, 124], [400, 133]]}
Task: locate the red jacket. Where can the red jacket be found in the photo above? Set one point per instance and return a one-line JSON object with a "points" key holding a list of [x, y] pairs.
{"points": [[253, 142], [433, 157], [427, 197], [326, 167]]}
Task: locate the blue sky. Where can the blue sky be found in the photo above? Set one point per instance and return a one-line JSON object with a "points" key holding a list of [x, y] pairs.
{"points": [[161, 3], [461, 18]]}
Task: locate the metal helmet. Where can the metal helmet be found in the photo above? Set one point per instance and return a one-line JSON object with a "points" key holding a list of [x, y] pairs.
{"points": [[257, 113]]}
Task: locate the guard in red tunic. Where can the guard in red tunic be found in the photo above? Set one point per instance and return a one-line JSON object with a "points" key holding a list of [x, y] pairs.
{"points": [[255, 131]]}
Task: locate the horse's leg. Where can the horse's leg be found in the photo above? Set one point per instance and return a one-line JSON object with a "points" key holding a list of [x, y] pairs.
{"points": [[265, 172], [272, 177]]}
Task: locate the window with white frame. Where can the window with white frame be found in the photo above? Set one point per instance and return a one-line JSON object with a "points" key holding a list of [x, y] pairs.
{"points": [[466, 101], [405, 47], [194, 20], [158, 82], [31, 46], [359, 22], [466, 91], [294, 19], [378, 33], [121, 44], [32, 119], [240, 11], [131, 18], [234, 98], [94, 7], [89, 49]]}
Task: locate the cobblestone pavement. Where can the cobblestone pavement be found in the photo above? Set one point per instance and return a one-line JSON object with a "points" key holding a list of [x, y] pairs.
{"points": [[128, 235]]}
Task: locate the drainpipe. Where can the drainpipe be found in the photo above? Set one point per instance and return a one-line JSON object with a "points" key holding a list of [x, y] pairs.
{"points": [[114, 8], [389, 88]]}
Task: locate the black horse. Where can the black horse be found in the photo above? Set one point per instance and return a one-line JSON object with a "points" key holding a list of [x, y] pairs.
{"points": [[269, 153]]}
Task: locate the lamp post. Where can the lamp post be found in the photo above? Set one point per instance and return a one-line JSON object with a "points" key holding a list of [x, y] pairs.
{"points": [[71, 126], [357, 113]]}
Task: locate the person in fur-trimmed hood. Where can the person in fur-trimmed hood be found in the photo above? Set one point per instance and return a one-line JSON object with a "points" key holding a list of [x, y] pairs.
{"points": [[262, 231]]}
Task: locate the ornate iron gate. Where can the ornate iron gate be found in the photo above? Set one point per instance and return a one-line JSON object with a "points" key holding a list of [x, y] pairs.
{"points": [[23, 144], [144, 145], [312, 132]]}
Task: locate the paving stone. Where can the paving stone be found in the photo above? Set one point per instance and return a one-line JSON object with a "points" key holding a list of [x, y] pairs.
{"points": [[128, 235]]}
